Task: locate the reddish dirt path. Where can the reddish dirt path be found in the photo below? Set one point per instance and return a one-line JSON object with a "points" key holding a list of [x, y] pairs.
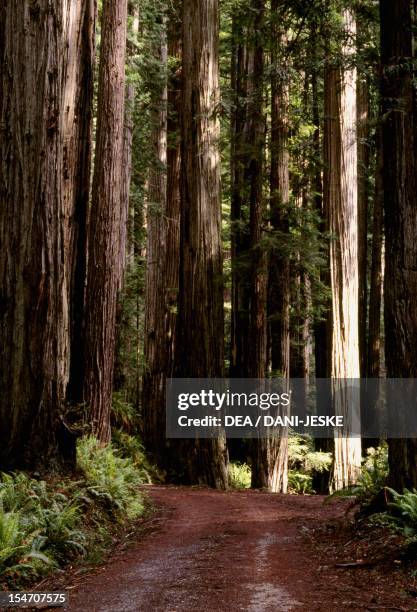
{"points": [[215, 551]]}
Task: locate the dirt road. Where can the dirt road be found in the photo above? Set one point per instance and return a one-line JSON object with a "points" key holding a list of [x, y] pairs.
{"points": [[215, 551]]}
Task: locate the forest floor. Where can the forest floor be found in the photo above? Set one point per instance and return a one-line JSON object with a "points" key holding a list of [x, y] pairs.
{"points": [[205, 550]]}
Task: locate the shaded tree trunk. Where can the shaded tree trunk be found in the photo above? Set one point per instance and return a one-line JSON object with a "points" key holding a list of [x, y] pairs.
{"points": [[78, 109], [239, 208], [34, 300], [153, 396], [269, 456], [363, 195], [375, 291], [322, 329], [279, 266], [106, 214], [400, 204], [199, 351]]}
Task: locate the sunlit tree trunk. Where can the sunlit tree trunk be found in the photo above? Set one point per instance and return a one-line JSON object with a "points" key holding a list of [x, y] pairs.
{"points": [[400, 204], [106, 214], [199, 351], [341, 203], [34, 334]]}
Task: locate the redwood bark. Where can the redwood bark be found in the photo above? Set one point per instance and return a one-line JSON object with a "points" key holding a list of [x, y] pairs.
{"points": [[79, 22], [34, 337], [239, 208], [400, 204], [375, 291], [342, 208], [156, 283], [363, 196], [279, 265], [200, 335], [106, 213]]}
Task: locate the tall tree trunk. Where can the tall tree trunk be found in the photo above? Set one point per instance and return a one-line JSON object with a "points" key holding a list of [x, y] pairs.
{"points": [[363, 195], [78, 108], [341, 202], [279, 265], [153, 397], [272, 471], [322, 329], [319, 181], [239, 208], [400, 203], [269, 456], [199, 351], [375, 291], [173, 207], [34, 338], [104, 231], [124, 319]]}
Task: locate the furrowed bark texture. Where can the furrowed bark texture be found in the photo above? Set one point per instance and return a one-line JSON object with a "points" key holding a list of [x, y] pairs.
{"points": [[34, 335], [270, 467], [199, 344], [400, 204], [341, 202], [77, 134], [156, 281], [239, 208], [279, 289], [104, 231], [375, 291], [363, 195]]}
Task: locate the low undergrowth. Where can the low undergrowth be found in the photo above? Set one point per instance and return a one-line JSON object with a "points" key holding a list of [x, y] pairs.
{"points": [[44, 526]]}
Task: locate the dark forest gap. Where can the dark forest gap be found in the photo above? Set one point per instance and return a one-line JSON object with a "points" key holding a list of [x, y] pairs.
{"points": [[241, 550]]}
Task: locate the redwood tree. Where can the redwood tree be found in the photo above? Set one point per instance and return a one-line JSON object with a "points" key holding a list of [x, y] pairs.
{"points": [[400, 203], [341, 204], [199, 351], [34, 338], [104, 231]]}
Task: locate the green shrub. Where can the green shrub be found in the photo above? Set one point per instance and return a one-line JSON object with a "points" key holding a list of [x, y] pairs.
{"points": [[46, 525], [299, 483], [239, 476], [302, 456], [404, 509], [111, 479], [123, 414], [303, 462], [131, 447], [372, 479]]}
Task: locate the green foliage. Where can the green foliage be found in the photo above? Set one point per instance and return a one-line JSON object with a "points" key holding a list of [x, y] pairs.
{"points": [[123, 414], [45, 525], [372, 479], [239, 476], [302, 456], [38, 528], [303, 462], [111, 479], [131, 447], [404, 512], [299, 483]]}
